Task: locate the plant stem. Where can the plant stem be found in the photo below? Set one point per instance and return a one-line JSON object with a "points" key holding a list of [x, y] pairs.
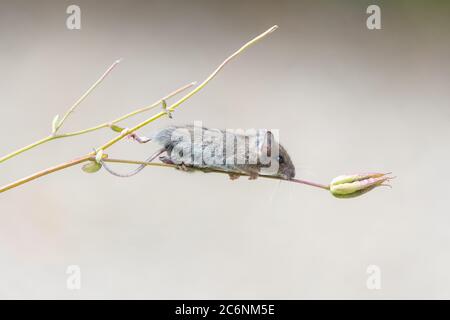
{"points": [[98, 127], [313, 184], [212, 75], [89, 157], [26, 148], [208, 170], [128, 115], [45, 172], [84, 96]]}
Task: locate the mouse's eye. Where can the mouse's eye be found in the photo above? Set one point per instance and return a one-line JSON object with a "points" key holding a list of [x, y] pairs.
{"points": [[280, 159]]}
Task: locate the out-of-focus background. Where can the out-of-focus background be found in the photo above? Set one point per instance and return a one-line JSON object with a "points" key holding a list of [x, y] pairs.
{"points": [[346, 99]]}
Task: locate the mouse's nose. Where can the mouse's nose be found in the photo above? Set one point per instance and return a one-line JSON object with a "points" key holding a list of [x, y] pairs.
{"points": [[289, 173]]}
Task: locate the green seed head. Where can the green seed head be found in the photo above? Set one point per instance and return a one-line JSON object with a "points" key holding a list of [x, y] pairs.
{"points": [[350, 186]]}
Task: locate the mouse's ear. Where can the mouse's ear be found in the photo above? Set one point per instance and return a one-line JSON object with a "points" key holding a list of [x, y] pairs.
{"points": [[266, 145]]}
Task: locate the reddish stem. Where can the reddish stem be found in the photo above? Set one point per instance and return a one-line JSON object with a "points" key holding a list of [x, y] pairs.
{"points": [[309, 183]]}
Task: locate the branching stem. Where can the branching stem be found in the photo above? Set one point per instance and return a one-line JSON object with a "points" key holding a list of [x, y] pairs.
{"points": [[98, 127], [84, 96]]}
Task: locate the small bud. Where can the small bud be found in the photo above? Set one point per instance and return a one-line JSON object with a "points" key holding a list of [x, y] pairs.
{"points": [[92, 167], [125, 131], [99, 156], [349, 186], [116, 128], [55, 124]]}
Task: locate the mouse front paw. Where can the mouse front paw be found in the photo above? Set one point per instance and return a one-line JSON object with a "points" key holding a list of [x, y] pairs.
{"points": [[253, 176], [234, 176], [183, 167]]}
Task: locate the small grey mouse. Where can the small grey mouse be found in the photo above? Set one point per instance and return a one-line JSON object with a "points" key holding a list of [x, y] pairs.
{"points": [[237, 153]]}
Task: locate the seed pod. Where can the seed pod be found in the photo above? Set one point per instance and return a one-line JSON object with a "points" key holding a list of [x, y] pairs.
{"points": [[350, 186], [116, 128]]}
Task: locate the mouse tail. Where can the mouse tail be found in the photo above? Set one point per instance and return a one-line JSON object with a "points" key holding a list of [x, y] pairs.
{"points": [[135, 171]]}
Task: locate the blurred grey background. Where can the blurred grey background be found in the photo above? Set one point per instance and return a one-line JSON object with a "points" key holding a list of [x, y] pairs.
{"points": [[345, 99]]}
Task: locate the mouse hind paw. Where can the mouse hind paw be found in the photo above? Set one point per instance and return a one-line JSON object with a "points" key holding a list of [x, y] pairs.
{"points": [[234, 176]]}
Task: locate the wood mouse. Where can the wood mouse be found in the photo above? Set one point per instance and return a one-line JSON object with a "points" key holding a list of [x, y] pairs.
{"points": [[250, 152]]}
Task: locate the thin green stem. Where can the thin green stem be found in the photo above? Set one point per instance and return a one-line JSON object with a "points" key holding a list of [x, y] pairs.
{"points": [[204, 83], [59, 122], [26, 148], [128, 115], [98, 127], [84, 96], [45, 172]]}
